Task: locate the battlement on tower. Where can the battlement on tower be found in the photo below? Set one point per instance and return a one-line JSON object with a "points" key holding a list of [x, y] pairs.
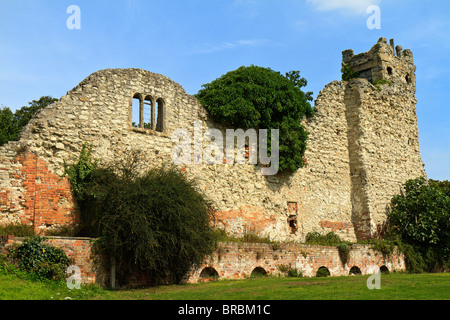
{"points": [[384, 62]]}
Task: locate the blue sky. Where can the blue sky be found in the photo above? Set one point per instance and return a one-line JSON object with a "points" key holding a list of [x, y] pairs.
{"points": [[196, 41]]}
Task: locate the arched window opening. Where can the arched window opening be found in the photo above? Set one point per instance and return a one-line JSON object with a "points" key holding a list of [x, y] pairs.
{"points": [[389, 71], [159, 115], [323, 272], [258, 272], [148, 112], [355, 271], [136, 111], [408, 79], [209, 273], [384, 270]]}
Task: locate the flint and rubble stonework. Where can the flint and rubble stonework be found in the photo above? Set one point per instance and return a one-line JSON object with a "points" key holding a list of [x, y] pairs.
{"points": [[363, 145]]}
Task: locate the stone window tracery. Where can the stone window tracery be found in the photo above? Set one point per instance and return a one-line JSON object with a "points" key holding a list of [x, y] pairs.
{"points": [[147, 113]]}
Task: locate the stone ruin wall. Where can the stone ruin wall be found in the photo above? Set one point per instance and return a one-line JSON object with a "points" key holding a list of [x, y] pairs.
{"points": [[363, 145]]}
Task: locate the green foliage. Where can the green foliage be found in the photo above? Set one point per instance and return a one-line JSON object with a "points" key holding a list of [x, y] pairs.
{"points": [[8, 128], [41, 260], [295, 273], [344, 252], [420, 218], [80, 171], [322, 272], [289, 271], [247, 237], [382, 81], [386, 247], [443, 185], [18, 230], [11, 124], [348, 73], [260, 98], [153, 221], [24, 115], [379, 82], [330, 239]]}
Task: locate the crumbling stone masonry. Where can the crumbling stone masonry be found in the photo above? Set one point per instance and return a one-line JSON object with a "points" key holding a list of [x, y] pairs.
{"points": [[363, 146]]}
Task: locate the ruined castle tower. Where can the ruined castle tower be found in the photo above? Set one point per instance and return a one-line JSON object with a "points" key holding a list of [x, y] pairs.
{"points": [[363, 146], [383, 137]]}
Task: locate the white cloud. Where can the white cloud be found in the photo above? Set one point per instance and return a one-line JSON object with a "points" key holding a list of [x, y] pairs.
{"points": [[344, 6], [215, 47]]}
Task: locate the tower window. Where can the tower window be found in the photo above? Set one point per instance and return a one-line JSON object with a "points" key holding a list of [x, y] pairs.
{"points": [[408, 78], [389, 71]]}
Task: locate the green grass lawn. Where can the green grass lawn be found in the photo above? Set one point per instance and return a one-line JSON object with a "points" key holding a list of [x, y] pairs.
{"points": [[393, 287]]}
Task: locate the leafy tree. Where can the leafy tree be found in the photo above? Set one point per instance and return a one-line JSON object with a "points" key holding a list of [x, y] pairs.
{"points": [[24, 114], [153, 222], [8, 127], [421, 218], [444, 185], [257, 97], [11, 124]]}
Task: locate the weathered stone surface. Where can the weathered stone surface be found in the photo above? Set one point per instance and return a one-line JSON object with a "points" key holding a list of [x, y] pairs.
{"points": [[363, 145]]}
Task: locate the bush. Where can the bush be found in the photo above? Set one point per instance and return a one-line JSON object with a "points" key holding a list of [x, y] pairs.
{"points": [[41, 260], [18, 230], [348, 73], [330, 239], [420, 219], [260, 98], [153, 222], [295, 273]]}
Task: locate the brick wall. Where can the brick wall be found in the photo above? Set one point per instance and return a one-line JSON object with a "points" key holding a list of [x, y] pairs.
{"points": [[35, 195], [239, 260], [78, 249]]}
